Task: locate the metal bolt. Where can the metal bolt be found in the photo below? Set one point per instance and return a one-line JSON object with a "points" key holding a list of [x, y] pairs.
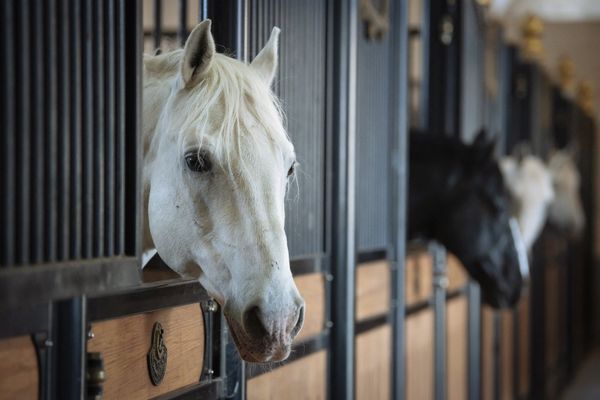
{"points": [[329, 277], [48, 343], [329, 324], [210, 372], [90, 335], [212, 306]]}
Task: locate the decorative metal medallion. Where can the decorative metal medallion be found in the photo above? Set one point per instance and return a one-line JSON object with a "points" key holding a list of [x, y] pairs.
{"points": [[157, 355]]}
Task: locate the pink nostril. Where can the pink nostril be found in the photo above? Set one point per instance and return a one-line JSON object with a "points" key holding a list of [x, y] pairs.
{"points": [[299, 322], [253, 324]]}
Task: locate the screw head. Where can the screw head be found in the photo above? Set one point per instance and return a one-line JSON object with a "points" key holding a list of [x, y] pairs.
{"points": [[212, 306]]}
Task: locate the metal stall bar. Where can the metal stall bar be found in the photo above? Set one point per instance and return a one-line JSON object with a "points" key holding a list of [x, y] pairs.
{"points": [[109, 117], [440, 283], [398, 185], [75, 242], [99, 128], [182, 32], [157, 23], [7, 123], [120, 151], [23, 129], [342, 43]]}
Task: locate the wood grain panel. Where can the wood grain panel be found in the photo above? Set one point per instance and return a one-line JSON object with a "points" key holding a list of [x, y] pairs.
{"points": [[456, 348], [374, 364], [506, 355], [18, 369], [487, 353], [524, 332], [124, 343], [303, 379], [418, 279], [457, 274], [419, 356], [312, 289], [372, 289]]}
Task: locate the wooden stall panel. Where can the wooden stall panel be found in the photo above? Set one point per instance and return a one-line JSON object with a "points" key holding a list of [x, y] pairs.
{"points": [[506, 355], [553, 310], [487, 353], [124, 344], [372, 289], [418, 277], [524, 332], [457, 274], [312, 289], [303, 379], [18, 369], [419, 356], [374, 364], [456, 347]]}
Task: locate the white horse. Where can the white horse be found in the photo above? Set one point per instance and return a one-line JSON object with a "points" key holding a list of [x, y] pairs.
{"points": [[529, 182], [566, 211], [216, 166]]}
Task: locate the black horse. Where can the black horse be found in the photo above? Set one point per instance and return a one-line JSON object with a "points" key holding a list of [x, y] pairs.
{"points": [[458, 198]]}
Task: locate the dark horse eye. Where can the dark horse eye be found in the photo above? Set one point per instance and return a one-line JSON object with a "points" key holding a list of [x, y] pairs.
{"points": [[292, 169], [198, 161]]}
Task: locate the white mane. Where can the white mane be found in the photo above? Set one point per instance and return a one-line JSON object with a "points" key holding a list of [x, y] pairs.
{"points": [[241, 96], [530, 185]]}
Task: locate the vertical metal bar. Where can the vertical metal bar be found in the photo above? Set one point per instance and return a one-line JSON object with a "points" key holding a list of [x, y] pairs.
{"points": [[157, 23], [70, 350], [64, 129], [343, 251], [183, 11], [7, 123], [109, 138], [440, 283], [50, 105], [76, 130], [38, 149], [99, 128], [88, 130], [133, 96], [120, 106], [474, 332], [398, 203], [24, 131], [202, 10]]}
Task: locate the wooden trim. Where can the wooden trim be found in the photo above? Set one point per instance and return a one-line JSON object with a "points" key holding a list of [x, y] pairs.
{"points": [[305, 378], [312, 289], [124, 344], [373, 289], [19, 369]]}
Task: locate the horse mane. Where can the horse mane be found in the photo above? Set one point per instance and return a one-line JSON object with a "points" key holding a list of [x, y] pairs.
{"points": [[244, 102]]}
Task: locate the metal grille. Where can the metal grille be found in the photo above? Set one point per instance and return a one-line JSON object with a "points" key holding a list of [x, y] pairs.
{"points": [[301, 87], [69, 123], [372, 141]]}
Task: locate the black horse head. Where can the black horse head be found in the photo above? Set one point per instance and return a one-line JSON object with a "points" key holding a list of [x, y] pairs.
{"points": [[457, 197]]}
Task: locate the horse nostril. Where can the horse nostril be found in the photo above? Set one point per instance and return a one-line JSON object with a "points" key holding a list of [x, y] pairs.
{"points": [[299, 322], [253, 323]]}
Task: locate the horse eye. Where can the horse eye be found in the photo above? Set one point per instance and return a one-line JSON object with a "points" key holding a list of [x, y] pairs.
{"points": [[292, 169], [198, 161]]}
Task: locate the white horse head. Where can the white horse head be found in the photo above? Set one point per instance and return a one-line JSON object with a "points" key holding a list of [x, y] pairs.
{"points": [[216, 167], [566, 211], [530, 185]]}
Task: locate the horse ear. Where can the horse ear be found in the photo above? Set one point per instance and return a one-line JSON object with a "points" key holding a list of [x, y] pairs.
{"points": [[265, 63], [197, 54]]}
